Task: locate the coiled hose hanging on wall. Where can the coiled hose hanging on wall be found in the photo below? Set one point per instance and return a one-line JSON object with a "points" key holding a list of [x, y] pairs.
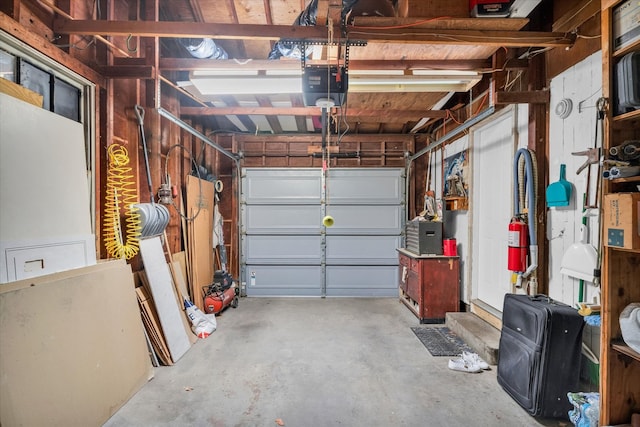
{"points": [[121, 191], [525, 172]]}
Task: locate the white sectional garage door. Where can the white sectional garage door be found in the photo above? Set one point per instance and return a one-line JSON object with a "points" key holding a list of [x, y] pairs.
{"points": [[286, 251]]}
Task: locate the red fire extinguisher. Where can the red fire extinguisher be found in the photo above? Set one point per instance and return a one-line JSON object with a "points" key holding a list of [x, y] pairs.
{"points": [[518, 244]]}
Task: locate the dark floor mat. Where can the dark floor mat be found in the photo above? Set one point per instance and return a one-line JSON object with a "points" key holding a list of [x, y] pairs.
{"points": [[440, 341]]}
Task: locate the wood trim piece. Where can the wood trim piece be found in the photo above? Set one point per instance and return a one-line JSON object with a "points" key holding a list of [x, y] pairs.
{"points": [[20, 92], [43, 45], [486, 316]]}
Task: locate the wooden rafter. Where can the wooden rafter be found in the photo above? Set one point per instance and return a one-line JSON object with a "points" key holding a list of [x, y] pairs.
{"points": [[292, 32], [274, 123]]}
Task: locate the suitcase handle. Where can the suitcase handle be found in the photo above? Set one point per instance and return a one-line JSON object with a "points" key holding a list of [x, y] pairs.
{"points": [[540, 297], [546, 298]]}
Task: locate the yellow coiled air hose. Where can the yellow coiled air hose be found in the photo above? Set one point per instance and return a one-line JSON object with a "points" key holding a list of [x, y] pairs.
{"points": [[121, 191]]}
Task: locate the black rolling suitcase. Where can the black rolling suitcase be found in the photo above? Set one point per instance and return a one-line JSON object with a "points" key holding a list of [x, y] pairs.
{"points": [[539, 353]]}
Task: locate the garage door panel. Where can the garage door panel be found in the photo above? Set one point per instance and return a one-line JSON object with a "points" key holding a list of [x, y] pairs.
{"points": [[365, 219], [282, 219], [282, 186], [284, 250], [290, 253], [364, 250], [365, 186], [290, 280], [369, 281]]}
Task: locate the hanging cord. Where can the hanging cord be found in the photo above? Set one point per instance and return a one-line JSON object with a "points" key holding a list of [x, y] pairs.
{"points": [[524, 196], [121, 191], [140, 115], [168, 179]]}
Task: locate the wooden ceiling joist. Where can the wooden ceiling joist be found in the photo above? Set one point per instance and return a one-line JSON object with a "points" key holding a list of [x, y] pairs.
{"points": [[528, 97], [577, 16], [372, 22], [129, 72], [292, 32], [382, 115]]}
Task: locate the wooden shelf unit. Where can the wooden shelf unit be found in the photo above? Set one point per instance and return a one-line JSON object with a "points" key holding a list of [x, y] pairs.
{"points": [[620, 283]]}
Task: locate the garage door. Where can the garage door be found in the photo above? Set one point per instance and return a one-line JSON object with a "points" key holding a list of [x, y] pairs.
{"points": [[286, 251]]}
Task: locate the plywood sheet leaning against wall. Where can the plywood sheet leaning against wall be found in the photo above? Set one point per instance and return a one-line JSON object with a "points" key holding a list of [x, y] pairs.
{"points": [[164, 297], [200, 194], [73, 347]]}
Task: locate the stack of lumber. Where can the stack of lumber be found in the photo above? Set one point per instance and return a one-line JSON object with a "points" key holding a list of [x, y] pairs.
{"points": [[167, 279], [160, 297]]}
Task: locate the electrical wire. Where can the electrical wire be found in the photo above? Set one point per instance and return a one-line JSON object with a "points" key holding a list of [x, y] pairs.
{"points": [[168, 179], [121, 193]]}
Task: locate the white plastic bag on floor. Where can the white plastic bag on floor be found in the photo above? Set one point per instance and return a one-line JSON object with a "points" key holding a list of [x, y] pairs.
{"points": [[202, 324]]}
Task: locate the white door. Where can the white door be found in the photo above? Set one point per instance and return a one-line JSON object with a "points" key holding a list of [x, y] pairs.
{"points": [[494, 145]]}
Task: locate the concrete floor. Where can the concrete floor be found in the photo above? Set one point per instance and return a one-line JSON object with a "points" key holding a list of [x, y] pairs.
{"points": [[319, 362]]}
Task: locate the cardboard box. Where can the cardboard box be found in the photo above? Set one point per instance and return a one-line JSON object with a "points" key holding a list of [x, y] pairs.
{"points": [[626, 23], [620, 219]]}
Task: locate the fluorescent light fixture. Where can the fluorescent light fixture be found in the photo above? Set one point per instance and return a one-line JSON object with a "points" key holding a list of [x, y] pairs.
{"points": [[223, 73], [409, 84], [285, 81], [239, 85]]}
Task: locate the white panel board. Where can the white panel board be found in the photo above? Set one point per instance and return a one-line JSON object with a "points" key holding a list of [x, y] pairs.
{"points": [[282, 219], [582, 85], [44, 194], [164, 296], [281, 186], [365, 186], [25, 259], [365, 219], [363, 250], [284, 250], [43, 174], [362, 281], [279, 280]]}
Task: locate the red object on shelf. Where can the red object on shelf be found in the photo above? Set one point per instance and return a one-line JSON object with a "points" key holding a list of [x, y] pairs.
{"points": [[450, 247]]}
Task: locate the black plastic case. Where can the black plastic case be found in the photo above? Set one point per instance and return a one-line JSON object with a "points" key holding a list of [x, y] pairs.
{"points": [[539, 354], [628, 83]]}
